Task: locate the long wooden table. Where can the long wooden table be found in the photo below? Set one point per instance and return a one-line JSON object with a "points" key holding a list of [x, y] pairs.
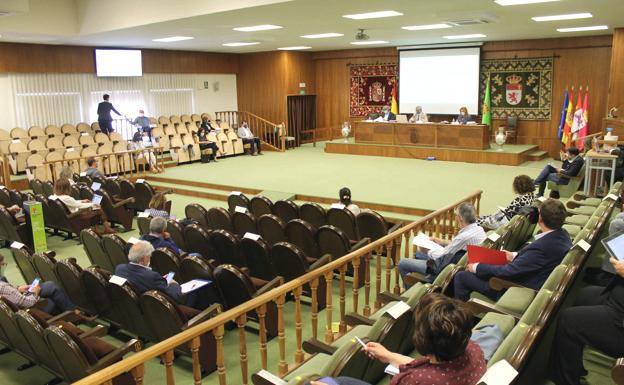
{"points": [[469, 136]]}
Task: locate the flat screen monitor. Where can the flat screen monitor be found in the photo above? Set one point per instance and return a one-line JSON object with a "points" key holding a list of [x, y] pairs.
{"points": [[118, 62]]}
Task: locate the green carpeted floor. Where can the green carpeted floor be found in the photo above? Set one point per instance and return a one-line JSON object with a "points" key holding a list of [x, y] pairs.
{"points": [[307, 170]]}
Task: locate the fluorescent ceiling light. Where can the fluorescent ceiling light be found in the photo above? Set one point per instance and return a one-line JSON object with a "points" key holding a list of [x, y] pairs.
{"points": [[373, 15], [367, 42], [240, 43], [571, 16], [297, 47], [323, 35], [173, 38], [581, 29], [521, 2], [254, 28], [427, 26], [471, 36]]}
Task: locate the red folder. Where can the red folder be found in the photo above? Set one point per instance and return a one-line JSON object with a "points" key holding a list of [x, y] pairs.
{"points": [[478, 254]]}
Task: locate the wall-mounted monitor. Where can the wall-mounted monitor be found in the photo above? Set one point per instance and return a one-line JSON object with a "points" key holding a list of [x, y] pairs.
{"points": [[118, 62]]}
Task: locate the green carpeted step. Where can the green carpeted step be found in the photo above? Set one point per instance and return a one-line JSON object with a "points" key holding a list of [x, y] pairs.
{"points": [[537, 155]]}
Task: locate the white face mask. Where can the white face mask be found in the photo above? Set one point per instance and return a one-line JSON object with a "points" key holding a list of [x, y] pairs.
{"points": [[141, 115]]}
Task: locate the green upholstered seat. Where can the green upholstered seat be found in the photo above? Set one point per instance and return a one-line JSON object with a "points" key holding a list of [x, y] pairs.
{"points": [[516, 299], [504, 322], [537, 306], [555, 277], [582, 210], [572, 229], [312, 366], [348, 360], [577, 219], [582, 199], [572, 255], [567, 190], [509, 345]]}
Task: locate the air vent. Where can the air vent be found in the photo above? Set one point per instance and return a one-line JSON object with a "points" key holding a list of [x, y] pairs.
{"points": [[462, 22]]}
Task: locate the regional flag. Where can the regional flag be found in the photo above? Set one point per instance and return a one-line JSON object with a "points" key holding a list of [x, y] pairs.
{"points": [[486, 113], [578, 117], [584, 130], [394, 106], [566, 138], [563, 115]]}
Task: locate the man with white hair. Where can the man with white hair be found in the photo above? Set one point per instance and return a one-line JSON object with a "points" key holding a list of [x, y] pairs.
{"points": [[142, 277]]}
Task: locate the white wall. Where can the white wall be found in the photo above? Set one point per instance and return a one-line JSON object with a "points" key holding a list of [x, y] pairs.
{"points": [[7, 113], [223, 99]]}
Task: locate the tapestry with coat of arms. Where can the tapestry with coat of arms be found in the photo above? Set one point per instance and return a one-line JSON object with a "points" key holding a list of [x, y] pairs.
{"points": [[371, 87], [519, 87]]}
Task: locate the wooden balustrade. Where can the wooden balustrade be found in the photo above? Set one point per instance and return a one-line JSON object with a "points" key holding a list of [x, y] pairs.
{"points": [[270, 133], [386, 250]]}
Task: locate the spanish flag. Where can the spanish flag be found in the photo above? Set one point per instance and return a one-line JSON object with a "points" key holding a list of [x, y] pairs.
{"points": [[566, 138], [394, 105]]}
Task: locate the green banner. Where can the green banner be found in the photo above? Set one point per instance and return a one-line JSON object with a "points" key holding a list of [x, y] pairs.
{"points": [[34, 210]]}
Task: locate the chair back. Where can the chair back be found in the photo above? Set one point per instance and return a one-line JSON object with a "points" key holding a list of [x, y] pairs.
{"points": [[45, 265], [303, 235], [333, 241], [92, 243], [70, 276], [219, 218], [116, 248], [313, 213], [226, 248], [198, 213], [197, 241], [125, 300], [287, 210], [144, 223], [289, 260], [271, 228], [95, 281], [14, 336], [164, 261], [33, 332], [255, 253], [143, 195], [113, 187], [176, 231], [371, 224], [237, 286], [162, 315], [244, 223], [24, 262], [237, 200], [70, 356], [260, 205], [344, 220]]}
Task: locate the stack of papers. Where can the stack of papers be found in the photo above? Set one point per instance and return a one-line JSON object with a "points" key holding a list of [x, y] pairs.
{"points": [[423, 241], [193, 284]]}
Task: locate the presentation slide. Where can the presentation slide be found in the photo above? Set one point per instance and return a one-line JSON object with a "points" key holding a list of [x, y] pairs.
{"points": [[439, 80], [118, 62]]}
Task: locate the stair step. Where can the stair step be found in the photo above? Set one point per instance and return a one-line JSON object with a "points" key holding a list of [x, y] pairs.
{"points": [[537, 155]]}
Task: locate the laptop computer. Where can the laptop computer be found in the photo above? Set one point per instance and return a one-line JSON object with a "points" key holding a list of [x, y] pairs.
{"points": [[614, 244], [97, 199]]}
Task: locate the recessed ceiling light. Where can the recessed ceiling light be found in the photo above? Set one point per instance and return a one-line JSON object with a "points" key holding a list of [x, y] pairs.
{"points": [[471, 36], [367, 42], [173, 38], [323, 35], [521, 2], [570, 16], [427, 26], [240, 43], [581, 29], [294, 48], [254, 28], [373, 15]]}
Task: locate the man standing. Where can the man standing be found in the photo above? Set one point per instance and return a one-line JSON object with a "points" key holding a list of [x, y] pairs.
{"points": [[530, 266], [572, 164], [143, 123], [248, 137], [104, 115]]}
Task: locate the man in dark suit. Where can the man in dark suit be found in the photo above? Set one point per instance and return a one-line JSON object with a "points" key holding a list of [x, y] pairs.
{"points": [[142, 277], [596, 320], [530, 266], [386, 114], [104, 115], [572, 164], [158, 237]]}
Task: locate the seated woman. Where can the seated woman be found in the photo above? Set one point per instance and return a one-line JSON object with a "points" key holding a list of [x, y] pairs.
{"points": [[523, 186], [464, 117], [62, 190], [157, 206], [345, 199], [442, 339], [201, 138], [148, 155], [67, 173]]}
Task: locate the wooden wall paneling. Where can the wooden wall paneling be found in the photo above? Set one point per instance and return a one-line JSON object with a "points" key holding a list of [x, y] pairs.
{"points": [[616, 81]]}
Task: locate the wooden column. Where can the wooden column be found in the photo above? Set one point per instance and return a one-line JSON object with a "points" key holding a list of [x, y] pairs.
{"points": [[616, 75]]}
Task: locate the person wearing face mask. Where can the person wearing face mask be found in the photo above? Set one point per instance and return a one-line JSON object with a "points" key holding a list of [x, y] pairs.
{"points": [[25, 296], [143, 123], [464, 117], [419, 116]]}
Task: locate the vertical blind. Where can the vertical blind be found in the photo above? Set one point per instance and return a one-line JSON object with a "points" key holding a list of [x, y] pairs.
{"points": [[42, 99]]}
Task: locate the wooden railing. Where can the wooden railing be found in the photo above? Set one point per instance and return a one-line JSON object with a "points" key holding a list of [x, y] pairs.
{"points": [[272, 134], [384, 252]]}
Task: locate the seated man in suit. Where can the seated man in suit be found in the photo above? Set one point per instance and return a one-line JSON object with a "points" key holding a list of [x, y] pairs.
{"points": [[528, 267], [248, 137], [143, 278], [386, 114], [158, 237], [433, 261], [25, 297], [596, 320], [572, 164], [92, 169]]}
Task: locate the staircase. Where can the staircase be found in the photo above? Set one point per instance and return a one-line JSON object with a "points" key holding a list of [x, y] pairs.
{"points": [[537, 155], [274, 136]]}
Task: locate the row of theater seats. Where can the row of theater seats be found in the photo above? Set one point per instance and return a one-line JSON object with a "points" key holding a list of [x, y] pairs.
{"points": [[522, 314]]}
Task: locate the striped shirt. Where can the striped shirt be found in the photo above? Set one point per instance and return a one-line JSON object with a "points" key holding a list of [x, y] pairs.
{"points": [[157, 213], [21, 300], [472, 234]]}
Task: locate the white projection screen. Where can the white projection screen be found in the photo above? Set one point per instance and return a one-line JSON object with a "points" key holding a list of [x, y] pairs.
{"points": [[118, 62], [439, 80]]}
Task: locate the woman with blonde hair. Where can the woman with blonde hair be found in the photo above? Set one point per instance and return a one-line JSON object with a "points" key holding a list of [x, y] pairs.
{"points": [[62, 190]]}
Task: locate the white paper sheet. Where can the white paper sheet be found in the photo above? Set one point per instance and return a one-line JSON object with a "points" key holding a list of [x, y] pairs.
{"points": [[422, 240], [193, 284]]}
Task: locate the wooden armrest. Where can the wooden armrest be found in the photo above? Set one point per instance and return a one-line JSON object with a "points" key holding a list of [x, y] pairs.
{"points": [[68, 315], [206, 314], [123, 202], [312, 346], [50, 254], [354, 319], [395, 227], [320, 262], [617, 372], [362, 242], [79, 212], [115, 355], [98, 331], [41, 304], [414, 278], [478, 306], [275, 282], [386, 297], [499, 284]]}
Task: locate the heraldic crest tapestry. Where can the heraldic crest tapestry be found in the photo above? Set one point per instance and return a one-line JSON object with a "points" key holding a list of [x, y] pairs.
{"points": [[371, 87], [519, 87]]}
